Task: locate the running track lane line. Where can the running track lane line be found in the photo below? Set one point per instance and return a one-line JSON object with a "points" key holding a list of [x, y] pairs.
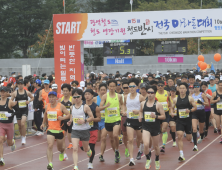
{"points": [[197, 153], [141, 157], [30, 161], [53, 154], [23, 149]]}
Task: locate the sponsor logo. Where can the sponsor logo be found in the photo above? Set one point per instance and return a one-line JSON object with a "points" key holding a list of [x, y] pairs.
{"points": [[134, 20], [114, 22]]}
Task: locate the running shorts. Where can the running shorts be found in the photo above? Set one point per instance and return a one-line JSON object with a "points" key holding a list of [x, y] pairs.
{"points": [[109, 126]]}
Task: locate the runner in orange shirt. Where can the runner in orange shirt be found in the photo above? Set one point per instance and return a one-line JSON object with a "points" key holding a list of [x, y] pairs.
{"points": [[54, 112], [43, 94]]}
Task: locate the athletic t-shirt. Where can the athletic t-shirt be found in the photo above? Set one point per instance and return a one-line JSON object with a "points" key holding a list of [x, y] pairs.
{"points": [[163, 99]]}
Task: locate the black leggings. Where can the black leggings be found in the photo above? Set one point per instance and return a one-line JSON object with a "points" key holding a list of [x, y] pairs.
{"points": [[92, 147], [207, 119], [38, 119]]}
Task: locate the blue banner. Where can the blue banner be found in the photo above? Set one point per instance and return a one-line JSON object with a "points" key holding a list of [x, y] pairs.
{"points": [[119, 61]]}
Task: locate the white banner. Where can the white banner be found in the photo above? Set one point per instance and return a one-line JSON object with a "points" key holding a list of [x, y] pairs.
{"points": [[138, 25]]}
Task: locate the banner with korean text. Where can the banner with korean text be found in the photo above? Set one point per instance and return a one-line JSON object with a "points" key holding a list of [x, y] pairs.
{"points": [[69, 63], [138, 25]]}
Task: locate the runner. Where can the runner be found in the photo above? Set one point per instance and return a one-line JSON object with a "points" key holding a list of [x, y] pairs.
{"points": [[216, 99], [213, 87], [199, 116], [162, 96], [67, 101], [112, 102], [173, 115], [54, 112], [43, 94], [102, 133], [125, 86], [81, 116], [151, 112], [208, 94], [6, 122], [132, 105], [93, 124], [21, 96], [184, 105]]}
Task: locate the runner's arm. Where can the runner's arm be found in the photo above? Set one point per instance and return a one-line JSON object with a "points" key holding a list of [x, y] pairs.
{"points": [[161, 111], [40, 95], [141, 111], [212, 101], [173, 106], [13, 95], [206, 103], [103, 101], [98, 115], [192, 102], [123, 110], [89, 112], [30, 96], [65, 111]]}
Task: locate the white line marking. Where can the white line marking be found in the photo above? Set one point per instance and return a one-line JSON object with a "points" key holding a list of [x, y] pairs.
{"points": [[23, 149], [141, 157], [197, 153]]}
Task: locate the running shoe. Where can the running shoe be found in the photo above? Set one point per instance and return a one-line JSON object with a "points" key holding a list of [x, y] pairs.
{"points": [[148, 162], [23, 140], [126, 152], [90, 165], [157, 164], [215, 130], [13, 146], [117, 156], [50, 166], [101, 159], [76, 168], [138, 157], [221, 140], [174, 144], [162, 149], [36, 133], [65, 157], [181, 158], [89, 153], [199, 141], [40, 134], [2, 162], [195, 148], [132, 163], [70, 146], [61, 156], [205, 133]]}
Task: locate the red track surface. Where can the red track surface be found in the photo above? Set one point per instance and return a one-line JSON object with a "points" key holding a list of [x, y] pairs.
{"points": [[32, 156]]}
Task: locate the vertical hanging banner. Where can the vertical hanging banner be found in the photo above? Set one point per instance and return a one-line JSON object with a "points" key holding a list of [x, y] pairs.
{"points": [[69, 64]]}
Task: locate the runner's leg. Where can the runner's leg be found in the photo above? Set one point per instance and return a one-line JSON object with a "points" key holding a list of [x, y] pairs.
{"points": [[50, 141], [103, 140], [130, 134], [75, 143]]}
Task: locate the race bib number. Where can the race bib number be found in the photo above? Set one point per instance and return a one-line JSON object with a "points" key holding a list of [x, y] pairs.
{"points": [[133, 115], [102, 114], [112, 112], [91, 124], [148, 118], [165, 106], [219, 106], [3, 116], [183, 113], [198, 104], [75, 120], [22, 103], [52, 116]]}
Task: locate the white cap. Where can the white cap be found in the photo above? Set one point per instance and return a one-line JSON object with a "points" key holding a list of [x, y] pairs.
{"points": [[138, 72], [82, 84], [144, 75], [101, 73], [54, 86], [80, 88], [206, 78], [3, 78], [92, 72], [136, 76], [198, 77]]}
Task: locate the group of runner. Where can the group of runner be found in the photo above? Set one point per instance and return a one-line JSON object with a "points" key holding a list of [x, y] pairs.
{"points": [[118, 107]]}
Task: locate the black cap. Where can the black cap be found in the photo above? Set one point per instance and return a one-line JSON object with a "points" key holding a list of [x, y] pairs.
{"points": [[143, 85], [12, 73], [90, 91], [173, 88], [3, 88], [20, 82]]}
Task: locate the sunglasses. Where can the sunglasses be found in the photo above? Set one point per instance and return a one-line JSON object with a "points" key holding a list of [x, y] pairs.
{"points": [[118, 84], [150, 92], [196, 86], [160, 85], [132, 86], [125, 87], [76, 97]]}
